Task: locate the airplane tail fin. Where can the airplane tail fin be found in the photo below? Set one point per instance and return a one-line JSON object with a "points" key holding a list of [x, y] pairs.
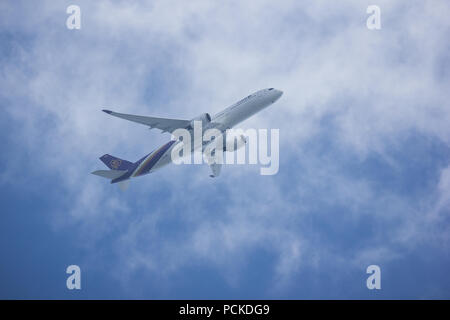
{"points": [[115, 163]]}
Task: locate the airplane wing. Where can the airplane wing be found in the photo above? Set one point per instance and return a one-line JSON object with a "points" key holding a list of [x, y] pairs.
{"points": [[166, 125]]}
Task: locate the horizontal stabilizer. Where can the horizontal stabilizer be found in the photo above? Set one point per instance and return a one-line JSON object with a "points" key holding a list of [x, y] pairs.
{"points": [[109, 174]]}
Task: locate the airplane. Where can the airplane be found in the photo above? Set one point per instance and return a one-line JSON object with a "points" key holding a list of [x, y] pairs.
{"points": [[123, 170]]}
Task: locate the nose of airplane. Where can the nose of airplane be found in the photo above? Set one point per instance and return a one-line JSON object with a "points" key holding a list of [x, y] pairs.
{"points": [[278, 94]]}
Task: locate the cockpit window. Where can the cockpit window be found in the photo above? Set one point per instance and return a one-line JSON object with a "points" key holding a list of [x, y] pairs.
{"points": [[271, 89]]}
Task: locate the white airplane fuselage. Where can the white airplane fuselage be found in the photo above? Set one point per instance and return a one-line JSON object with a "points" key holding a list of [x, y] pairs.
{"points": [[226, 119], [246, 107]]}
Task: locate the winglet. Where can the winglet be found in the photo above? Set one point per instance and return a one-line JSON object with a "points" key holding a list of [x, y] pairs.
{"points": [[107, 111]]}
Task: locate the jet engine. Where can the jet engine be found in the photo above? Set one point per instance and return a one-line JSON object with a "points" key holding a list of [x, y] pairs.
{"points": [[205, 118]]}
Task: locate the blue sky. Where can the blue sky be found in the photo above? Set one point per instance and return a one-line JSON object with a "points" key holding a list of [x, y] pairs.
{"points": [[364, 150]]}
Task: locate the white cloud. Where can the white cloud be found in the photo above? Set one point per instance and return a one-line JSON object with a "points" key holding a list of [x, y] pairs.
{"points": [[374, 86]]}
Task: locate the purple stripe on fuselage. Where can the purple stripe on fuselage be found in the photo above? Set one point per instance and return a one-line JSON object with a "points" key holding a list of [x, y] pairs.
{"points": [[155, 156], [153, 159]]}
